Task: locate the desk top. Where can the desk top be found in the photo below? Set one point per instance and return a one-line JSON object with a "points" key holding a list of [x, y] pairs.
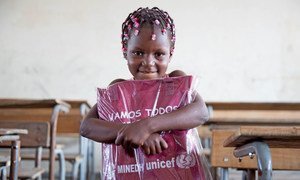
{"points": [[291, 120], [254, 105], [274, 136], [31, 103]]}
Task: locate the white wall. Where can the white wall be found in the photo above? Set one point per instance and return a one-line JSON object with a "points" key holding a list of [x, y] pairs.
{"points": [[241, 50]]}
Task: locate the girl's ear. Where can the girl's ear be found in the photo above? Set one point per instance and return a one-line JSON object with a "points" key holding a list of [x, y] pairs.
{"points": [[125, 56], [171, 55], [171, 52]]}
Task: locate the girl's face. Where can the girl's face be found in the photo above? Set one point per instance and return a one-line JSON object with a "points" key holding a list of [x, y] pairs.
{"points": [[147, 58]]}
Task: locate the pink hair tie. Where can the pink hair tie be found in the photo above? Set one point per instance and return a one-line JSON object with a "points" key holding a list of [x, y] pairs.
{"points": [[153, 37], [136, 24], [136, 32]]}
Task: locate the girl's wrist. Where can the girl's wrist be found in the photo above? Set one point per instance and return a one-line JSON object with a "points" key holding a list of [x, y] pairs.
{"points": [[150, 124]]}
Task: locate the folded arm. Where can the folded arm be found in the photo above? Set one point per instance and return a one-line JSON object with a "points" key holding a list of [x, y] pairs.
{"points": [[187, 117], [99, 130]]}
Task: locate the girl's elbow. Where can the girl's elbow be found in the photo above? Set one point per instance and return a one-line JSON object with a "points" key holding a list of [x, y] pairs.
{"points": [[84, 128], [204, 119], [204, 116]]}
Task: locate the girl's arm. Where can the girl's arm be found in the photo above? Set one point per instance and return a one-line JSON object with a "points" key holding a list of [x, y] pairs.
{"points": [[99, 130], [106, 132], [187, 117]]}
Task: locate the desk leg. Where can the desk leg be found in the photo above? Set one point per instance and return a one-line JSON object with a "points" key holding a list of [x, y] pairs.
{"points": [[84, 145], [3, 173], [263, 155], [90, 161], [62, 164], [248, 174], [15, 153], [224, 173]]}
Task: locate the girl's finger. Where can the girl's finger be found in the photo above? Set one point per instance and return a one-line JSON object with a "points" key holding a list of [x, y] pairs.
{"points": [[152, 149], [146, 150], [158, 147], [163, 144], [119, 140]]}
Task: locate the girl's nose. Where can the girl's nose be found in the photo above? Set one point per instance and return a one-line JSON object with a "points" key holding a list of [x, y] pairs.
{"points": [[149, 60]]}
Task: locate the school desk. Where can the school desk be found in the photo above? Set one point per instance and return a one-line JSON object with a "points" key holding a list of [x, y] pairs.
{"points": [[226, 119], [45, 110]]}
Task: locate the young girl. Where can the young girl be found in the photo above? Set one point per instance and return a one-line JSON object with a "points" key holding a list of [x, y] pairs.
{"points": [[148, 39]]}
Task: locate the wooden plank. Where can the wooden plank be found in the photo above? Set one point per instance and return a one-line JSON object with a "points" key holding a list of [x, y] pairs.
{"points": [[68, 123], [13, 130], [256, 114], [242, 117], [38, 132], [8, 138], [283, 158], [274, 136], [254, 105], [31, 103]]}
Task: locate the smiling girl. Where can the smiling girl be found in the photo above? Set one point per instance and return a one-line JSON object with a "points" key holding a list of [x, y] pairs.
{"points": [[148, 41]]}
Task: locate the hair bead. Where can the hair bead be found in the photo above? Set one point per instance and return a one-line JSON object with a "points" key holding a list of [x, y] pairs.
{"points": [[136, 24], [136, 32], [157, 22], [153, 37]]}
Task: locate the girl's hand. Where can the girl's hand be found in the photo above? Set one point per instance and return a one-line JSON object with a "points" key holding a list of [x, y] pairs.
{"points": [[133, 135], [155, 144]]}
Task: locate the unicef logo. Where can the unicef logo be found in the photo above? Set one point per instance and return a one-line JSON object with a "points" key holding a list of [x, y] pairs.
{"points": [[185, 160]]}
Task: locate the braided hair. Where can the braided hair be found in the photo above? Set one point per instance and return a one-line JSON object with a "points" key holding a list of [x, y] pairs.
{"points": [[153, 17]]}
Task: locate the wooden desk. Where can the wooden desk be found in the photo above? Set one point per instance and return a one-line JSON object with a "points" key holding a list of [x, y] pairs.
{"points": [[274, 136], [250, 140], [68, 124], [46, 110], [226, 119], [13, 136]]}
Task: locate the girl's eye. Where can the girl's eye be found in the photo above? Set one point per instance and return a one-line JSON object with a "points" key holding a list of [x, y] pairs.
{"points": [[138, 53], [159, 54]]}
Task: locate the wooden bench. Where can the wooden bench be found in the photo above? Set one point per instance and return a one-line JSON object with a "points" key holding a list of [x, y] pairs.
{"points": [[226, 118], [37, 111], [38, 137]]}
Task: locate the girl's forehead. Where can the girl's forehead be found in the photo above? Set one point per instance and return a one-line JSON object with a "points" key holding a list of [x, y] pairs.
{"points": [[149, 35], [144, 38]]}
